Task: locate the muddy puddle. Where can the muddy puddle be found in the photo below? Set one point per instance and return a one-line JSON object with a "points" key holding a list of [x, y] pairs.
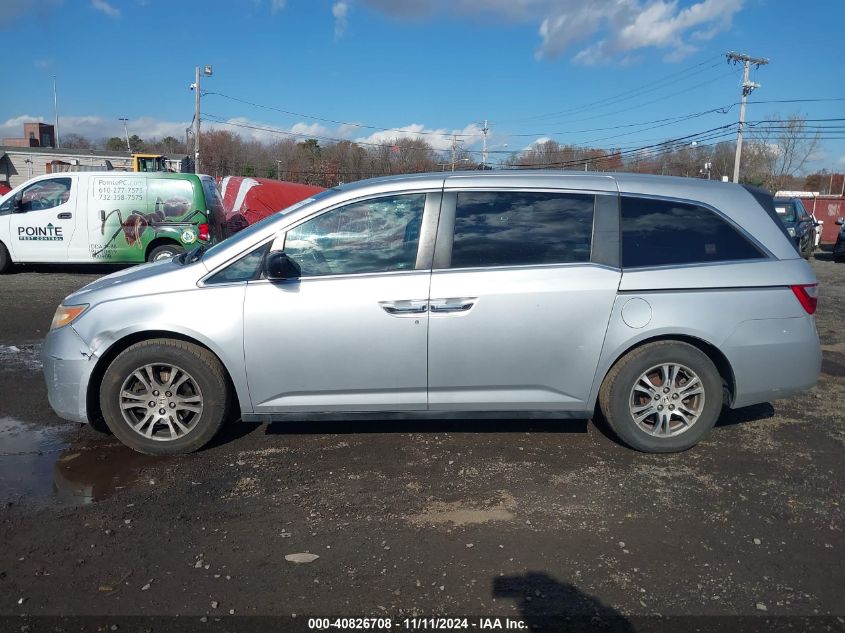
{"points": [[39, 467]]}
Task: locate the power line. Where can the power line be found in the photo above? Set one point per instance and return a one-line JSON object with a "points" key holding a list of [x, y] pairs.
{"points": [[615, 98], [334, 121]]}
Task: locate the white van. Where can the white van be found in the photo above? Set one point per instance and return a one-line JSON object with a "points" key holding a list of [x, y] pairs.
{"points": [[108, 217]]}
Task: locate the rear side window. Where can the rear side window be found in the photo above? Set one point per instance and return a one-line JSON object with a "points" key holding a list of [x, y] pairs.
{"points": [[169, 198], [663, 232], [521, 228]]}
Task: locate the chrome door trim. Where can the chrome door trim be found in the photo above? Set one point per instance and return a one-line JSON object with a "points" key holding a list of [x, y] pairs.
{"points": [[451, 305], [405, 307]]}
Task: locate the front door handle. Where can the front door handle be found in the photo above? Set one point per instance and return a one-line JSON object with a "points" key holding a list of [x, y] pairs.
{"points": [[407, 307], [445, 306], [65, 215]]}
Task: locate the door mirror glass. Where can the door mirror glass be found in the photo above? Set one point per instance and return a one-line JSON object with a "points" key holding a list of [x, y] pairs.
{"points": [[280, 267]]}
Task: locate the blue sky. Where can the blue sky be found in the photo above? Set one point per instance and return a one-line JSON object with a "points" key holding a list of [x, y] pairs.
{"points": [[534, 68]]}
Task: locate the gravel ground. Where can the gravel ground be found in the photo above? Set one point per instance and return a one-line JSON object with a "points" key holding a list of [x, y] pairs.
{"points": [[497, 518]]}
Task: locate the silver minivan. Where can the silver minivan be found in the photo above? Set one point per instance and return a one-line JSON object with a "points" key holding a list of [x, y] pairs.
{"points": [[657, 300]]}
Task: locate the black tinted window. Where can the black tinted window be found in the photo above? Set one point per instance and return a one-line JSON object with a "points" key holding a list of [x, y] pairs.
{"points": [[514, 228], [660, 232], [246, 268]]}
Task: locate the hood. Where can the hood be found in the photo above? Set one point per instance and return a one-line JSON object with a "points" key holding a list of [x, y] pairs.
{"points": [[146, 279]]}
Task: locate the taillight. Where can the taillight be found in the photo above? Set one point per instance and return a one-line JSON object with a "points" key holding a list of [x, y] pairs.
{"points": [[204, 234], [807, 295]]}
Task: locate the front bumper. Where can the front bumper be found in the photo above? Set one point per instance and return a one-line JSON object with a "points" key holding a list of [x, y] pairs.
{"points": [[68, 364]]}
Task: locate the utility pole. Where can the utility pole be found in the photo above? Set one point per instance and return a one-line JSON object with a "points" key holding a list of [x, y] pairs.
{"points": [[126, 133], [454, 149], [197, 88], [56, 111], [748, 87], [484, 131]]}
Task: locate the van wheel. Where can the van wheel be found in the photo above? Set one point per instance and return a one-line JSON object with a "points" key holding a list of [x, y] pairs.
{"points": [[662, 397], [164, 397], [5, 259], [165, 251]]}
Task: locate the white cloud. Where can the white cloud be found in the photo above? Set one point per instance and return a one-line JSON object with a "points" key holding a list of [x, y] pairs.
{"points": [[13, 127], [611, 29], [440, 139], [312, 129], [105, 7], [340, 11], [661, 25], [277, 5], [98, 127], [539, 141], [841, 160]]}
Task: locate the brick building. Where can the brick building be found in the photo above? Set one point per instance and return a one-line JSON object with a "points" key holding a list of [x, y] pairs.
{"points": [[34, 135]]}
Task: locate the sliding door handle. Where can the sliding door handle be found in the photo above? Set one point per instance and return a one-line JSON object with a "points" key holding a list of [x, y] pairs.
{"points": [[65, 215], [407, 307], [445, 306]]}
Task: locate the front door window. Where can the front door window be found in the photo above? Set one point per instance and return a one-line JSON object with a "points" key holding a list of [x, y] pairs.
{"points": [[371, 236]]}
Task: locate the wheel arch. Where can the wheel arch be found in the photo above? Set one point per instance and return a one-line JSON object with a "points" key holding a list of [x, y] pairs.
{"points": [[160, 241], [721, 361], [92, 396]]}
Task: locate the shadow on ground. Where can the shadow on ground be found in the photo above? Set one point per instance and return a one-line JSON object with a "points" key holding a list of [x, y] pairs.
{"points": [[546, 604], [69, 269]]}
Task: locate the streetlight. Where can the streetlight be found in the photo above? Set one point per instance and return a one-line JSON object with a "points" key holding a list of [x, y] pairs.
{"points": [[197, 88], [126, 133]]}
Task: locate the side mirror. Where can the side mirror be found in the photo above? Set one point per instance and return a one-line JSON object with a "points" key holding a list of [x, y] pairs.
{"points": [[840, 221], [279, 267], [17, 206]]}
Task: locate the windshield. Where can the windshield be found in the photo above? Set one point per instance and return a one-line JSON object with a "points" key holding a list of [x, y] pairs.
{"points": [[786, 210], [252, 229]]}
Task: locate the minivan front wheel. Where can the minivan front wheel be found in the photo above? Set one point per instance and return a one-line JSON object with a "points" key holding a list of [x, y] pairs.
{"points": [[164, 397], [662, 397]]}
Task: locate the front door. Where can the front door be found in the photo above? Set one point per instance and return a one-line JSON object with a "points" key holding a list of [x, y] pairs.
{"points": [[43, 225], [518, 309], [351, 333]]}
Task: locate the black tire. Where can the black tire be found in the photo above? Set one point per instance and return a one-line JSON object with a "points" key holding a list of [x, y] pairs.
{"points": [[164, 251], [616, 394], [201, 366], [5, 259]]}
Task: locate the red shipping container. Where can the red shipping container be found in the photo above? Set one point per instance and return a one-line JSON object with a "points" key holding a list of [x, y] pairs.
{"points": [[826, 209]]}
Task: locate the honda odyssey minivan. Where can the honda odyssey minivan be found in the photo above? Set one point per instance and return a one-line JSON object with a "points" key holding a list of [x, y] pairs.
{"points": [[658, 300]]}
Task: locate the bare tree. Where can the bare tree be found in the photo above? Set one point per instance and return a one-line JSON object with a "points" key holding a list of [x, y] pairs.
{"points": [[782, 147], [76, 141]]}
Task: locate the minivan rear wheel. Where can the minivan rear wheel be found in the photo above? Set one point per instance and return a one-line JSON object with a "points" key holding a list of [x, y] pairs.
{"points": [[662, 397], [164, 397]]}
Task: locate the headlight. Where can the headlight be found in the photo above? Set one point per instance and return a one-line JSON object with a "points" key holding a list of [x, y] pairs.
{"points": [[65, 315], [791, 231]]}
